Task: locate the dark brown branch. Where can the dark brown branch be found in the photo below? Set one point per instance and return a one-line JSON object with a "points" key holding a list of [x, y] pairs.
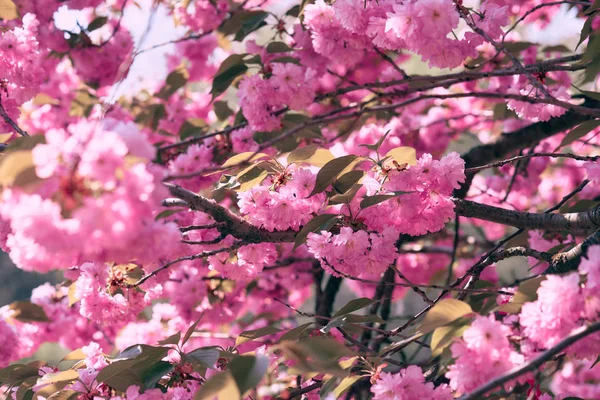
{"points": [[520, 139], [569, 260], [231, 224], [534, 364], [9, 120], [526, 220]]}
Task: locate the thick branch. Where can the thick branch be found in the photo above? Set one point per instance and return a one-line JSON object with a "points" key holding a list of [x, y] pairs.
{"points": [[534, 364], [520, 139], [569, 260], [231, 224], [526, 220]]}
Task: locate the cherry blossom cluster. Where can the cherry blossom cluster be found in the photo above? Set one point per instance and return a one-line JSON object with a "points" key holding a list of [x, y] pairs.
{"points": [[96, 200]]}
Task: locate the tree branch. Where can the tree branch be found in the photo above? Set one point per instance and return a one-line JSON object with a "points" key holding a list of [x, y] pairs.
{"points": [[526, 220], [520, 139]]}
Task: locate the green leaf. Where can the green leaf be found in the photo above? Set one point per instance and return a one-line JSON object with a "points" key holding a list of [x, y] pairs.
{"points": [[286, 60], [294, 11], [351, 319], [173, 339], [97, 23], [369, 201], [580, 206], [345, 198], [247, 156], [561, 48], [167, 213], [26, 311], [311, 154], [190, 331], [593, 95], [578, 132], [66, 394], [175, 80], [248, 336], [443, 313], [527, 292], [248, 371], [332, 170], [327, 387], [17, 374], [221, 386], [252, 21], [24, 143], [278, 47], [295, 333], [222, 110], [82, 104], [585, 31], [152, 375], [231, 68], [444, 336], [517, 47], [251, 178], [375, 147], [354, 305], [192, 127], [344, 385], [317, 224], [594, 7], [204, 356], [345, 182], [151, 115]]}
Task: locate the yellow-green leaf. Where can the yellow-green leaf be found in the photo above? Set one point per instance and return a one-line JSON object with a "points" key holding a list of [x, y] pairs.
{"points": [[221, 386], [248, 336], [444, 312], [26, 311], [8, 10], [247, 156], [443, 336], [344, 385], [527, 292], [333, 169], [75, 355], [312, 155], [64, 376], [13, 165], [403, 155]]}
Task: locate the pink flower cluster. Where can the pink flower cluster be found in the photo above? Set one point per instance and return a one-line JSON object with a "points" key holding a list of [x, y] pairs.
{"points": [[538, 111], [97, 201], [21, 71], [200, 16], [251, 260], [289, 85], [95, 67], [550, 318], [282, 205], [354, 253], [427, 206], [103, 300], [484, 352], [343, 31], [408, 384]]}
